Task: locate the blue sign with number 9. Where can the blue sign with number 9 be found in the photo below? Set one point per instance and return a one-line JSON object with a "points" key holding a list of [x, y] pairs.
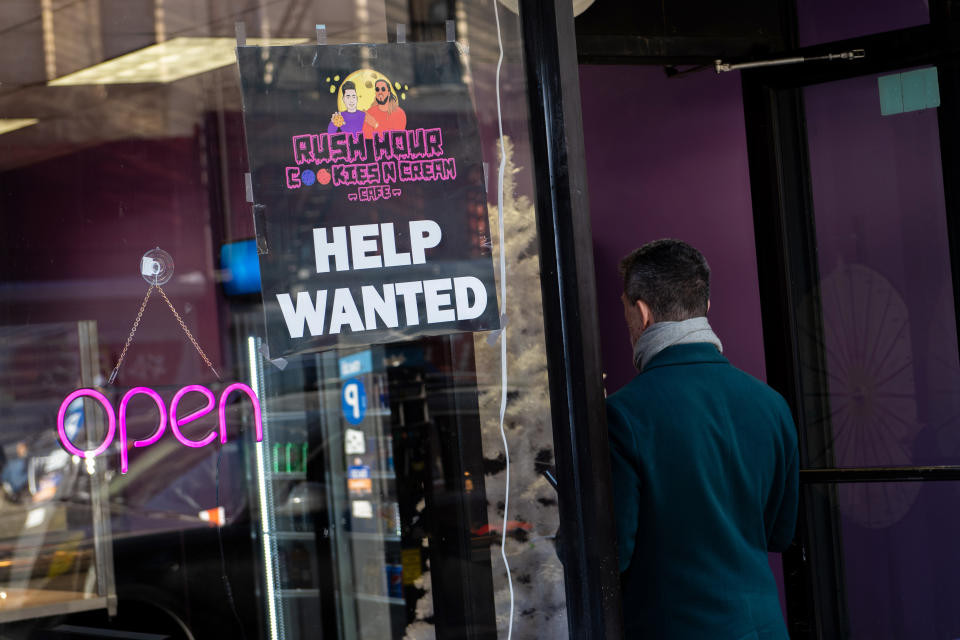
{"points": [[354, 401]]}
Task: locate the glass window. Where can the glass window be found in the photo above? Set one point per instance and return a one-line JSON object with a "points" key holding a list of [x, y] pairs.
{"points": [[820, 21], [898, 575], [889, 339], [220, 484]]}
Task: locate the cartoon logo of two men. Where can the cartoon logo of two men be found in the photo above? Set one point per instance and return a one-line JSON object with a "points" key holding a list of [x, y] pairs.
{"points": [[384, 114]]}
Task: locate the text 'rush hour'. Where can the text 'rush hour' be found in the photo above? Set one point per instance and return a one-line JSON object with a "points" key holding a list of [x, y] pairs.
{"points": [[331, 148]]}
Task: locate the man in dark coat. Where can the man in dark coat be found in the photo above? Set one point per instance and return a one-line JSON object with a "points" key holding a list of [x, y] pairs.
{"points": [[705, 467]]}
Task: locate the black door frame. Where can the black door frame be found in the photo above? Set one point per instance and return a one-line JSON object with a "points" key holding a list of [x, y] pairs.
{"points": [[787, 265], [567, 279]]}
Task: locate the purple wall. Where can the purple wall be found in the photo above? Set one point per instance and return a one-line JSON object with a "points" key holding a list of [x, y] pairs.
{"points": [[101, 208], [668, 158], [671, 161], [820, 21]]}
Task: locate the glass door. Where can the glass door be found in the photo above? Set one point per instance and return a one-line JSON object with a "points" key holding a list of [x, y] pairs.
{"points": [[854, 238]]}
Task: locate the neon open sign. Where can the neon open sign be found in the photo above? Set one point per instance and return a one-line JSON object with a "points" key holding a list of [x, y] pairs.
{"points": [[118, 420]]}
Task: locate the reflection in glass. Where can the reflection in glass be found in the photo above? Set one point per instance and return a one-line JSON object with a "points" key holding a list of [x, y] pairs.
{"points": [[820, 21], [52, 547], [899, 579], [106, 172], [885, 350]]}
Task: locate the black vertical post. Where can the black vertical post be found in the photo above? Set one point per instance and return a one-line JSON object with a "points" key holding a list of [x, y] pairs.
{"points": [[944, 14], [789, 280], [570, 320]]}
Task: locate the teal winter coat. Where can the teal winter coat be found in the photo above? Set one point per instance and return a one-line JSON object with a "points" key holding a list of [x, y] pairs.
{"points": [[705, 482]]}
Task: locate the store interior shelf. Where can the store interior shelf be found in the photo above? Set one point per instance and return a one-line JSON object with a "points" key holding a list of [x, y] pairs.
{"points": [[373, 536], [294, 535], [291, 416], [288, 475], [300, 593], [382, 599]]}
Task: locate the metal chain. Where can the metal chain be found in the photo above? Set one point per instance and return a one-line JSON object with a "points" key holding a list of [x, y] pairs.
{"points": [[187, 331], [136, 323], [133, 330]]}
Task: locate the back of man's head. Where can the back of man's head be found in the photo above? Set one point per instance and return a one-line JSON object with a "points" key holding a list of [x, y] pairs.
{"points": [[670, 276]]}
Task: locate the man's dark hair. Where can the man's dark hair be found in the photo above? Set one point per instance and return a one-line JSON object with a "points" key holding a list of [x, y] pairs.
{"points": [[670, 276], [347, 86]]}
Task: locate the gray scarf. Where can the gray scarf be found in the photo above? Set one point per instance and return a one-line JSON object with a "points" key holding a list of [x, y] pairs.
{"points": [[661, 335]]}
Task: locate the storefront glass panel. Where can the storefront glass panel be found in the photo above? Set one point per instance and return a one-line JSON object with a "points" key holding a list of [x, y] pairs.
{"points": [[889, 333], [899, 572], [348, 489], [821, 21]]}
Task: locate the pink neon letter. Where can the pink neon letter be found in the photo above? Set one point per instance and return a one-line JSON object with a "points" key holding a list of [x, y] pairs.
{"points": [[111, 423], [124, 454], [257, 418], [293, 177], [175, 423]]}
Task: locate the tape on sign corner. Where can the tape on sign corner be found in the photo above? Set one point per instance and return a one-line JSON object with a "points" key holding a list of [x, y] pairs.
{"points": [[279, 363], [248, 184], [260, 228], [492, 338]]}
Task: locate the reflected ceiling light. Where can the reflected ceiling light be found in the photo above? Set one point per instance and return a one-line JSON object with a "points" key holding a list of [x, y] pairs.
{"points": [[12, 124], [167, 61]]}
